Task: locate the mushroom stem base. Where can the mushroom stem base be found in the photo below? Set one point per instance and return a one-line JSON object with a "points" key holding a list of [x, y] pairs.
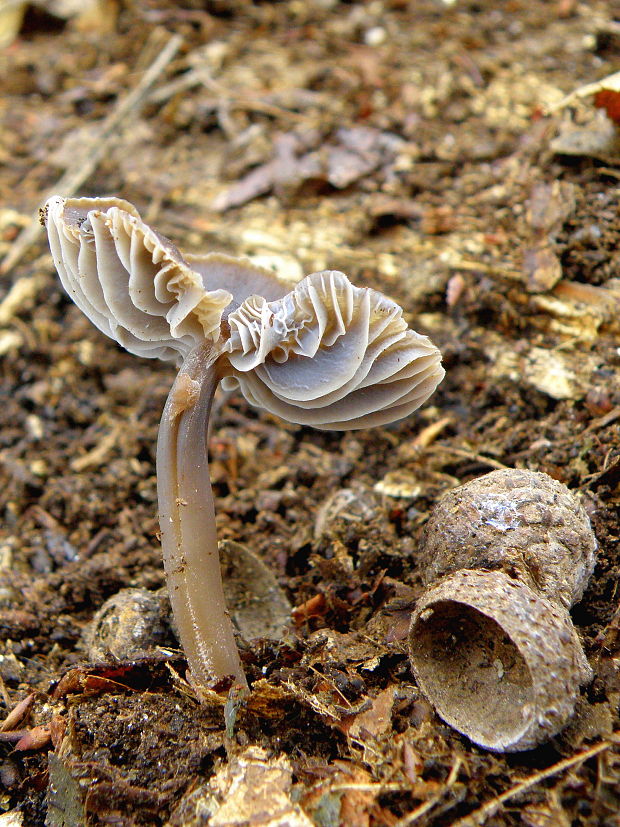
{"points": [[187, 523]]}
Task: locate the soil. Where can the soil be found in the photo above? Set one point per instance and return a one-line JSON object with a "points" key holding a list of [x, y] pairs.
{"points": [[411, 145]]}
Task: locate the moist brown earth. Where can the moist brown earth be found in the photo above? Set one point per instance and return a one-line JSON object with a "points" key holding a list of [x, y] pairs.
{"points": [[411, 145]]}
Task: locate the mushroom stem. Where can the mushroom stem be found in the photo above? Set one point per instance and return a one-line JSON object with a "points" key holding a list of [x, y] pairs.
{"points": [[187, 522]]}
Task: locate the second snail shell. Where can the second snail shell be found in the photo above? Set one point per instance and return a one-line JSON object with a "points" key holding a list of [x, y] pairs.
{"points": [[491, 642]]}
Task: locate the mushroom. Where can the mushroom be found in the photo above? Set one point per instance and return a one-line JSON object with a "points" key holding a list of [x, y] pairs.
{"points": [[491, 642], [324, 353]]}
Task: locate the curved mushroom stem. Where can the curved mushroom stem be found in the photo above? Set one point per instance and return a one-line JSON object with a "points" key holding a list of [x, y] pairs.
{"points": [[187, 522]]}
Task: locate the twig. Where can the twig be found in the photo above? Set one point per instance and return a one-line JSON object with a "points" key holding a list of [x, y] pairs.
{"points": [[201, 77], [480, 815], [458, 263], [195, 77], [603, 421], [332, 684], [427, 805], [471, 455], [74, 178], [12, 737], [378, 787]]}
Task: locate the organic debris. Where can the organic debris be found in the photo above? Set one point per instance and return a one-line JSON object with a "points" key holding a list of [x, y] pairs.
{"points": [[413, 146]]}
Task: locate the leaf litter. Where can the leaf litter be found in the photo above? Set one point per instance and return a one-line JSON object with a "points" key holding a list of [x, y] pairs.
{"points": [[414, 147]]}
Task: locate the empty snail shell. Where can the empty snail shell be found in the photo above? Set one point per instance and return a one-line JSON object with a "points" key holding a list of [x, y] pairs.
{"points": [[491, 642], [523, 522]]}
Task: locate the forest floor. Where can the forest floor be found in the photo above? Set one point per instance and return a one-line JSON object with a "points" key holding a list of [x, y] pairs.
{"points": [[427, 150]]}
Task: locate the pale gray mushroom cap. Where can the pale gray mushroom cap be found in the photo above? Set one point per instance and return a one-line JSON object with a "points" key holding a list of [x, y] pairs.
{"points": [[324, 353], [331, 355]]}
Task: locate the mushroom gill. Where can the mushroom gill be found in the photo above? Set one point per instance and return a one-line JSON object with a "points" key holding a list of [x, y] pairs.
{"points": [[331, 355]]}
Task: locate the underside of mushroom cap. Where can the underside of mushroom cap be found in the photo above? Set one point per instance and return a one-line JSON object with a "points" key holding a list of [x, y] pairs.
{"points": [[324, 353], [499, 663], [136, 286], [331, 355]]}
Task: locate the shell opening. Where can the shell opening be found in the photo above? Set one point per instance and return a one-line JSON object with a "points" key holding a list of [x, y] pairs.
{"points": [[478, 680]]}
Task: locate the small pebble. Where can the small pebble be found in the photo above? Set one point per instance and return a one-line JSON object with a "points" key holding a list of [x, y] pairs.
{"points": [[345, 507], [130, 624], [375, 36]]}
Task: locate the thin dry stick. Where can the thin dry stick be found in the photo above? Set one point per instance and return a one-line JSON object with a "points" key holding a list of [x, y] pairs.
{"points": [[201, 77], [603, 421], [472, 455], [72, 179], [480, 815], [377, 787], [427, 805]]}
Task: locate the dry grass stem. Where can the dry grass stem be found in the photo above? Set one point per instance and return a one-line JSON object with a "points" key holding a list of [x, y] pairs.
{"points": [[489, 809], [73, 178]]}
